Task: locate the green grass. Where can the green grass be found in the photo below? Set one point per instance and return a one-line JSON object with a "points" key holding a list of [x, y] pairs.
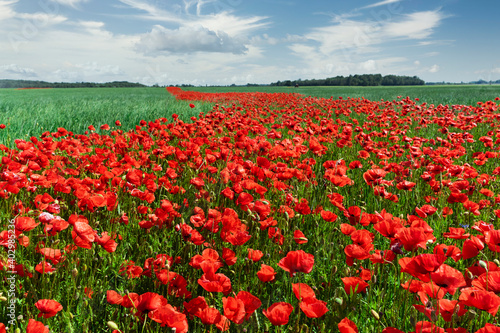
{"points": [[29, 113]]}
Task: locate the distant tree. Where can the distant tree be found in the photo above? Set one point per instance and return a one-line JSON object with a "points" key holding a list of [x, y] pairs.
{"points": [[356, 80]]}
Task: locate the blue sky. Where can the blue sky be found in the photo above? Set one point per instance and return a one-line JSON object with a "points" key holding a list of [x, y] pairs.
{"points": [[253, 41]]}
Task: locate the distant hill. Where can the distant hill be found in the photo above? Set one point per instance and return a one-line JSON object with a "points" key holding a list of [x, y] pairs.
{"points": [[42, 84]]}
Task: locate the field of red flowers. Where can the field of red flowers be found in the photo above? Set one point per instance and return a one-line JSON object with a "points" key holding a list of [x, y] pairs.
{"points": [[273, 212]]}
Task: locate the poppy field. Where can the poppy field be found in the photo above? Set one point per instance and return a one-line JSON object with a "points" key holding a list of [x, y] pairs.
{"points": [[260, 212]]}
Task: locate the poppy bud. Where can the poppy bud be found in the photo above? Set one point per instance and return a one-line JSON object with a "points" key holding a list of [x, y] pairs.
{"points": [[413, 321], [74, 272], [483, 264], [497, 262], [112, 325], [375, 314], [339, 300], [18, 330], [3, 298]]}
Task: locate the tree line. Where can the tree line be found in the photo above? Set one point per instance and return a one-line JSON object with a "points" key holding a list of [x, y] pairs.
{"points": [[43, 84], [356, 80]]}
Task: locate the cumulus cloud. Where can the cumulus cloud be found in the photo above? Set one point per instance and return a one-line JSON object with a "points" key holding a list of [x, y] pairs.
{"points": [[348, 38], [368, 66], [189, 40], [15, 69], [6, 10], [434, 69]]}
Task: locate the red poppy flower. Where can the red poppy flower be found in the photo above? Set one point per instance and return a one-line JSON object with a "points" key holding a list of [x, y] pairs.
{"points": [[391, 330], [266, 273], [234, 309], [44, 268], [36, 327], [354, 284], [25, 224], [421, 265], [448, 278], [448, 251], [472, 247], [297, 261], [456, 233], [130, 300], [167, 315], [303, 207], [195, 306], [255, 255], [113, 297], [374, 176], [428, 327], [48, 308], [328, 216], [209, 316], [354, 251], [149, 302], [84, 231], [481, 299], [489, 281], [347, 326], [492, 239], [299, 237], [412, 238], [250, 302], [278, 313], [229, 256], [212, 282]]}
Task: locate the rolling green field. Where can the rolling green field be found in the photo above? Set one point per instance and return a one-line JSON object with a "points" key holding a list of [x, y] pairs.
{"points": [[466, 94], [29, 113]]}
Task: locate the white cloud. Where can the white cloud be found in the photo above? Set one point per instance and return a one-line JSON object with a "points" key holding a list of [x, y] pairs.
{"points": [[71, 3], [345, 35], [434, 69], [229, 23], [222, 32], [42, 19], [15, 69], [93, 68], [368, 66], [381, 3], [188, 40], [345, 43], [6, 10], [418, 25]]}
